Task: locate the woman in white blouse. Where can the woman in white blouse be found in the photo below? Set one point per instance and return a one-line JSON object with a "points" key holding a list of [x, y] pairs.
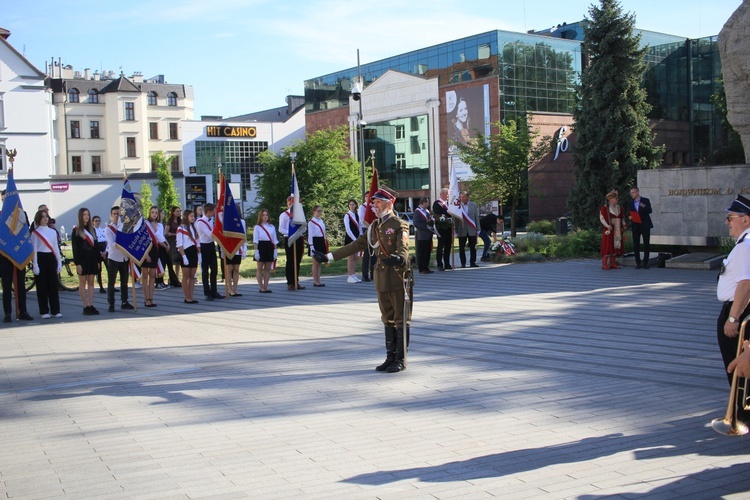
{"points": [[316, 238], [265, 242], [189, 248], [232, 273], [152, 267], [46, 265]]}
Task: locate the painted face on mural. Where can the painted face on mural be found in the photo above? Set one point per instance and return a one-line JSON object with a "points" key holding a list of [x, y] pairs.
{"points": [[463, 112]]}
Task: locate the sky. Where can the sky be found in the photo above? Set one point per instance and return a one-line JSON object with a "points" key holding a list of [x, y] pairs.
{"points": [[242, 56]]}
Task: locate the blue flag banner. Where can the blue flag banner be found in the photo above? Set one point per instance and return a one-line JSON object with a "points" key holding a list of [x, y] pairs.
{"points": [[228, 231], [15, 238], [133, 239], [298, 223]]}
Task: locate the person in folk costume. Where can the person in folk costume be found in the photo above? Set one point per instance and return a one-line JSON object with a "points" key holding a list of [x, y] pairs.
{"points": [[189, 247], [232, 280], [151, 265], [265, 242], [294, 252], [117, 262], [316, 238], [352, 227], [47, 264], [101, 245], [87, 258], [612, 219], [170, 232], [388, 236]]}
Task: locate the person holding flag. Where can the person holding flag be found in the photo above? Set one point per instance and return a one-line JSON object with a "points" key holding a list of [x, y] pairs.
{"points": [[209, 263], [292, 226], [388, 237], [117, 263], [230, 234], [87, 259], [15, 249]]}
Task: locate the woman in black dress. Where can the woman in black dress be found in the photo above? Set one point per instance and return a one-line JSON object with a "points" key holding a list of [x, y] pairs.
{"points": [[87, 259], [189, 248], [151, 266], [265, 242]]}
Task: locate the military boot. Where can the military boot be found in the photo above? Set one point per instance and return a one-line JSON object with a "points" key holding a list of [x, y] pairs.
{"points": [[390, 349], [398, 362]]}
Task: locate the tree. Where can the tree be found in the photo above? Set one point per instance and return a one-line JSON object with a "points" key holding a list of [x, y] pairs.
{"points": [[731, 150], [613, 137], [167, 197], [326, 173], [501, 162], [146, 202]]}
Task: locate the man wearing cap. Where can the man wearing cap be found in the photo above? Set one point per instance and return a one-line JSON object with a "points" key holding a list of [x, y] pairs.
{"points": [[388, 237], [733, 288]]}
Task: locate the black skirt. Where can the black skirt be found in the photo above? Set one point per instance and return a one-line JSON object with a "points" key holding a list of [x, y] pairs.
{"points": [[192, 255], [153, 254], [265, 251], [319, 244], [234, 261]]}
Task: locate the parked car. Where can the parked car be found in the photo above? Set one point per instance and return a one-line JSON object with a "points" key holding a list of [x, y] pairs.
{"points": [[409, 218]]}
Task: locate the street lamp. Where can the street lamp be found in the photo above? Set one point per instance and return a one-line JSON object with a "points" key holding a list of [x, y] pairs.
{"points": [[357, 89]]}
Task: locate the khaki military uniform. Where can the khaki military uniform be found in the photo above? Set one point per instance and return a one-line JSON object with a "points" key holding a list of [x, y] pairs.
{"points": [[386, 237]]}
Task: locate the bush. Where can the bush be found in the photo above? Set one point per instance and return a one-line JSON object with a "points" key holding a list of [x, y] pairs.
{"points": [[541, 227], [580, 243]]}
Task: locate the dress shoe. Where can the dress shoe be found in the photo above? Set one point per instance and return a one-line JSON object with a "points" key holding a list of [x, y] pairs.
{"points": [[217, 296], [300, 287], [93, 310], [209, 298], [395, 367], [126, 306], [365, 278], [485, 258], [474, 265], [87, 311], [291, 288], [7, 319], [645, 266], [102, 290], [448, 268], [111, 308], [26, 316], [637, 266], [319, 284]]}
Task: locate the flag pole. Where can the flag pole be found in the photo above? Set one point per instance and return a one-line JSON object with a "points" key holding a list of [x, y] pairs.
{"points": [[15, 284], [135, 293]]}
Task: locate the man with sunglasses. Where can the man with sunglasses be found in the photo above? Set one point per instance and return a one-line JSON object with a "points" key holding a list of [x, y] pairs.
{"points": [[733, 288]]}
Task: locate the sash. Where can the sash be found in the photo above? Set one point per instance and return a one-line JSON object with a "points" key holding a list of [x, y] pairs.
{"points": [[159, 265], [322, 231], [112, 228], [44, 240], [443, 204], [273, 264], [86, 236], [354, 221], [187, 233], [210, 230], [467, 219]]}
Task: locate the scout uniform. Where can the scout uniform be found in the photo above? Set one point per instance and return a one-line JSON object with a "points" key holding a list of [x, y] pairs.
{"points": [[389, 239]]}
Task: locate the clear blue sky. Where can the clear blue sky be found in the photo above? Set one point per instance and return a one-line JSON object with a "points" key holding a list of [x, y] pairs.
{"points": [[242, 56]]}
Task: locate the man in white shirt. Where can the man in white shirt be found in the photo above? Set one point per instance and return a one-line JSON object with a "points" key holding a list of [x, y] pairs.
{"points": [[117, 262], [294, 252], [368, 262], [209, 265]]}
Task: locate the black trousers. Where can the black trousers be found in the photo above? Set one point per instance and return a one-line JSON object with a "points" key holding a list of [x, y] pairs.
{"points": [[47, 293], [209, 266], [6, 271], [639, 231], [422, 254], [368, 263], [113, 268], [472, 240], [728, 348], [166, 259], [443, 253], [293, 254]]}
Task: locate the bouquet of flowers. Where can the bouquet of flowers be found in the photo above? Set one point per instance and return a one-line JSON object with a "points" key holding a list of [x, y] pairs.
{"points": [[444, 222], [503, 246]]}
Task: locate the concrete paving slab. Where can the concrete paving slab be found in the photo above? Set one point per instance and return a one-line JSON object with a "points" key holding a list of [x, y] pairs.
{"points": [[552, 380]]}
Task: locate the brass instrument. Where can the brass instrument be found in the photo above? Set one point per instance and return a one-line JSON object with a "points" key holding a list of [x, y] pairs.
{"points": [[729, 425]]}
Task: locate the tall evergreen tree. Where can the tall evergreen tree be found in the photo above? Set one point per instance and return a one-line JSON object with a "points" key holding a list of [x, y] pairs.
{"points": [[167, 197], [613, 137]]}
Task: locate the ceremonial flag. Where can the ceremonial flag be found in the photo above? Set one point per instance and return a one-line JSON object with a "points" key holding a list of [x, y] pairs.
{"points": [[15, 238], [298, 223], [133, 239], [369, 209], [454, 200], [228, 231]]}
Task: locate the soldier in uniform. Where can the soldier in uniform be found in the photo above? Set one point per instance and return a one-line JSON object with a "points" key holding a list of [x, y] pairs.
{"points": [[388, 237]]}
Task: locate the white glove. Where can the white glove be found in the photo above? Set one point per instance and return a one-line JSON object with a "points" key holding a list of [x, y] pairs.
{"points": [[257, 255], [35, 269], [330, 257], [185, 260], [59, 266], [200, 259]]}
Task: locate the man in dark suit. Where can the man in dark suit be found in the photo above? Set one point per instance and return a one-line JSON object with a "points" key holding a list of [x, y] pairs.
{"points": [[639, 211], [423, 223]]}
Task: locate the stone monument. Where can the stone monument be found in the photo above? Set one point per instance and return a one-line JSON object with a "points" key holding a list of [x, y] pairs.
{"points": [[734, 50]]}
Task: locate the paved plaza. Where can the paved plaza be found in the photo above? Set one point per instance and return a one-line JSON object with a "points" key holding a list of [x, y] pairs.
{"points": [[555, 380]]}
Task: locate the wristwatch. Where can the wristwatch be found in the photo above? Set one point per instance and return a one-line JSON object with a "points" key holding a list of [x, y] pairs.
{"points": [[732, 319]]}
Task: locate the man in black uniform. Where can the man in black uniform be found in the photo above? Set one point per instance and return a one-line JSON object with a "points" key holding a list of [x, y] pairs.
{"points": [[388, 237]]}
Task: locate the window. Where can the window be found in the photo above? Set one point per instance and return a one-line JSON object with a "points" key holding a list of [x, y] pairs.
{"points": [[2, 116], [171, 99], [76, 164], [400, 160], [94, 129], [75, 129], [173, 131], [130, 146], [153, 130], [93, 96], [130, 111], [400, 132], [175, 163], [73, 95], [96, 164], [152, 98]]}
